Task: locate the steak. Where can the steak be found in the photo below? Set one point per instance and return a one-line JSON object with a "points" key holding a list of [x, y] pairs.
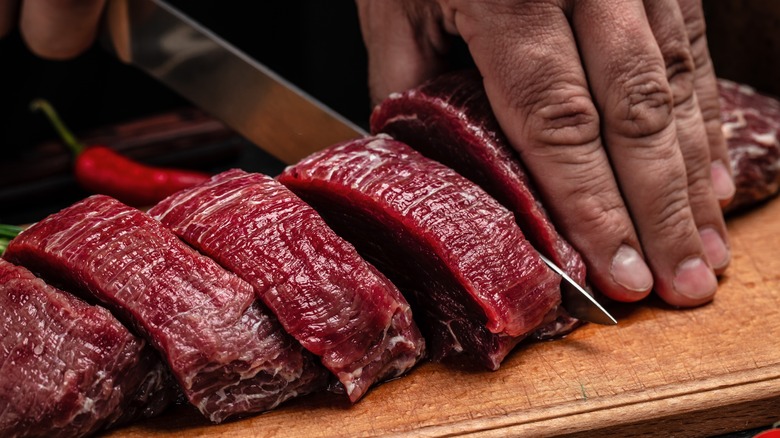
{"points": [[69, 368], [449, 120], [226, 350], [751, 125], [478, 286], [332, 301]]}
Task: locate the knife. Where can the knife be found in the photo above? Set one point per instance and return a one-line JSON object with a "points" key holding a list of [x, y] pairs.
{"points": [[259, 104], [217, 77], [577, 301]]}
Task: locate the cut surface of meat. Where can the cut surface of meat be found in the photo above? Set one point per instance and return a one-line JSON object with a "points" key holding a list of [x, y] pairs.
{"points": [[226, 350], [751, 125], [323, 293], [455, 251], [68, 368], [449, 120]]}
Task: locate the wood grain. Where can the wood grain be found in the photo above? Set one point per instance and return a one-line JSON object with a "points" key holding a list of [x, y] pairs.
{"points": [[659, 372]]}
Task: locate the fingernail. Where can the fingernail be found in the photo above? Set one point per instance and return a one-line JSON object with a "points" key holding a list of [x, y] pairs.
{"points": [[630, 271], [722, 183], [715, 248], [694, 279]]}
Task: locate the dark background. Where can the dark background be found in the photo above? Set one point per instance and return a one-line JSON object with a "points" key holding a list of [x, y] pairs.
{"points": [[313, 43]]}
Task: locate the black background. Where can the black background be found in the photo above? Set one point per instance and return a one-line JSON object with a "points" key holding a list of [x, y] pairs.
{"points": [[315, 44]]}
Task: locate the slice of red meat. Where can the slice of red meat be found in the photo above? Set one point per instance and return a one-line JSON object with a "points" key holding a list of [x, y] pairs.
{"points": [[226, 350], [458, 254], [449, 120], [751, 125], [68, 368], [324, 294]]}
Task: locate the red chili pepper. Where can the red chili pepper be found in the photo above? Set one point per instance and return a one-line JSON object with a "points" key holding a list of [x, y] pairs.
{"points": [[101, 169]]}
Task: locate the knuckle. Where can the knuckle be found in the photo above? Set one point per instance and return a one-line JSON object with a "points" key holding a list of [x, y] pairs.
{"points": [[600, 215], [645, 105], [680, 73], [673, 220], [561, 114]]}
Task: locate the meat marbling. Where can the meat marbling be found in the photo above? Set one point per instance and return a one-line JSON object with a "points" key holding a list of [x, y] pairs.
{"points": [[323, 293], [452, 248], [751, 125], [68, 368], [226, 350]]}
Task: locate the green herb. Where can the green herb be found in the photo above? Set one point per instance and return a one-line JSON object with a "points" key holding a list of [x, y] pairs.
{"points": [[7, 233]]}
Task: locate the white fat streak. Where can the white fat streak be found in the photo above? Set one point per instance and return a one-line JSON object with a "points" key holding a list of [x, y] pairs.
{"points": [[457, 346], [402, 117], [753, 151], [766, 138], [728, 128], [746, 89]]}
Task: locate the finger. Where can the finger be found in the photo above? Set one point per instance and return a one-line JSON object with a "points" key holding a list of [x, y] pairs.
{"points": [[8, 16], [628, 78], [707, 94], [60, 29], [537, 88], [404, 43], [666, 22]]}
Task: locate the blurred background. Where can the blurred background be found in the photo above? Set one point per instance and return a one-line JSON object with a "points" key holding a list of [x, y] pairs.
{"points": [[315, 44]]}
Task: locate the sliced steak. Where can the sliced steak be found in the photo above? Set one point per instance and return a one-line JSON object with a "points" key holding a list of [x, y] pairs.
{"points": [[751, 125], [227, 351], [449, 120], [452, 248], [323, 293], [68, 368]]}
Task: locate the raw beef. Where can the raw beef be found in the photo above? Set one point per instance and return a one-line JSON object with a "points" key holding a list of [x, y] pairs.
{"points": [[751, 125], [456, 252], [323, 293], [449, 120], [226, 350], [68, 368]]}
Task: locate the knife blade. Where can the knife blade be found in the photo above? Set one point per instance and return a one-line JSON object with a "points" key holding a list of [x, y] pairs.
{"points": [[578, 301], [217, 77]]}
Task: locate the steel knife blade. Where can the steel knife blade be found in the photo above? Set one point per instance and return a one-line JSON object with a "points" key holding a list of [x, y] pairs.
{"points": [[217, 77], [577, 301]]}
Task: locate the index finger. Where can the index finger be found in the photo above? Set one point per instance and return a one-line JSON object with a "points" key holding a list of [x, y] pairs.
{"points": [[60, 29], [8, 16]]}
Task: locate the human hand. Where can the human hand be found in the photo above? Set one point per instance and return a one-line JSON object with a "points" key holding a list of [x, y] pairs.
{"points": [[53, 29], [612, 105]]}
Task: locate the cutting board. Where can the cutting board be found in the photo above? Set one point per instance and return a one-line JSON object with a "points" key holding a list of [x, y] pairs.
{"points": [[659, 372]]}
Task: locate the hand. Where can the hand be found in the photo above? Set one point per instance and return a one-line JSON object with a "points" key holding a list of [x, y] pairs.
{"points": [[612, 105], [53, 29]]}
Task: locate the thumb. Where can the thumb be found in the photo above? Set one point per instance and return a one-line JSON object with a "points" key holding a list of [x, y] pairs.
{"points": [[405, 43]]}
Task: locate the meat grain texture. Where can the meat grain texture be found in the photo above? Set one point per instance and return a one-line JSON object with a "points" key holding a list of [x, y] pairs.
{"points": [[226, 350], [478, 284], [324, 294], [751, 125], [449, 120], [67, 368]]}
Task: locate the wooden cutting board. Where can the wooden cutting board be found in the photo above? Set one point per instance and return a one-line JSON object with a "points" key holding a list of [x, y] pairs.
{"points": [[660, 372]]}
